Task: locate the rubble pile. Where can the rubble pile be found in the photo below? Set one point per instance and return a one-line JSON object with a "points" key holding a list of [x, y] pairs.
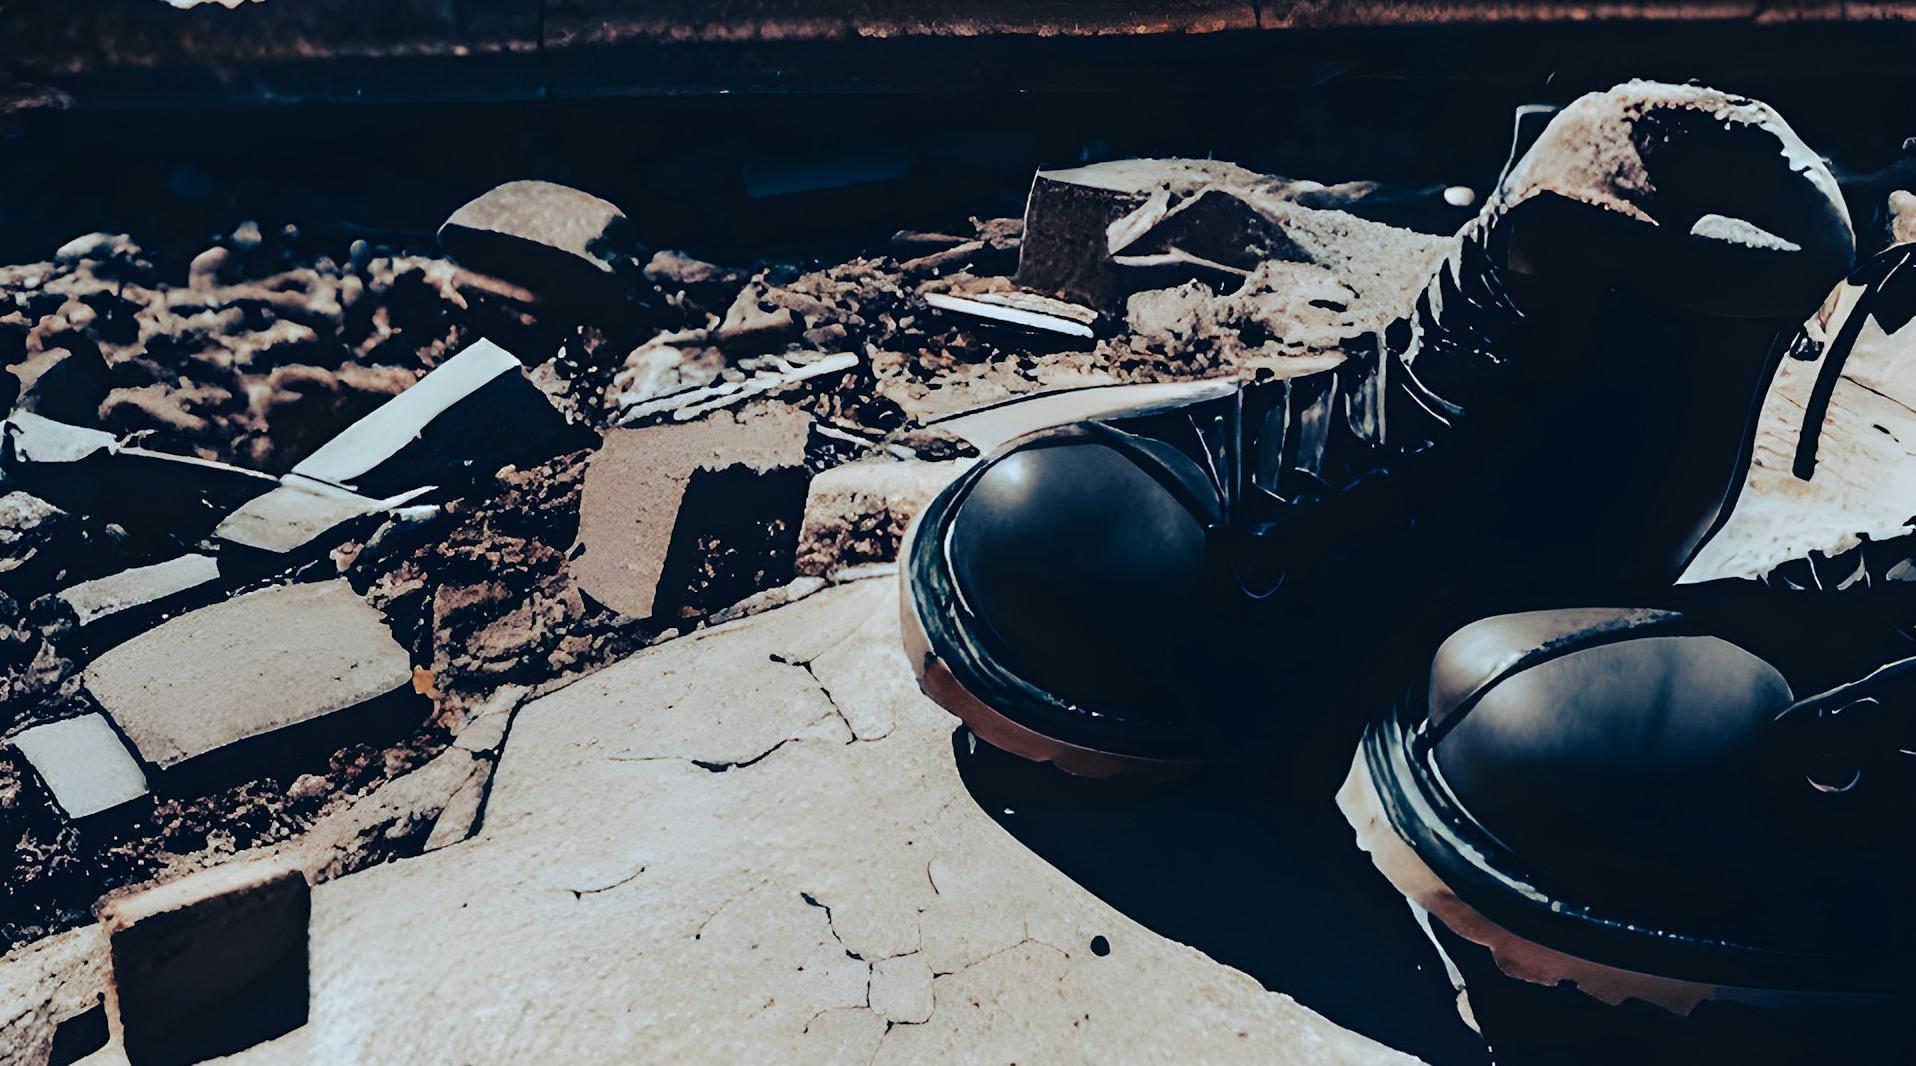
{"points": [[490, 467]]}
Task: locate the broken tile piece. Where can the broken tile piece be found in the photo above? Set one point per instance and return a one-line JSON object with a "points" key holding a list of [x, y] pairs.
{"points": [[629, 506], [471, 415], [858, 512], [249, 666], [83, 763], [1025, 310], [142, 585], [210, 964], [300, 512], [112, 608], [545, 236]]}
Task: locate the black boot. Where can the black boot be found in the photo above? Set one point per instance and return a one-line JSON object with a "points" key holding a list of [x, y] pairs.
{"points": [[1673, 806], [1565, 408]]}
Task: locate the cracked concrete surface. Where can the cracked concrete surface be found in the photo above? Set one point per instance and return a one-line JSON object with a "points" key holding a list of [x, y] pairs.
{"points": [[751, 844]]}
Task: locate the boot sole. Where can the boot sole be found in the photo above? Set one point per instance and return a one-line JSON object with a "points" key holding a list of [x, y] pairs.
{"points": [[937, 680], [1362, 798]]}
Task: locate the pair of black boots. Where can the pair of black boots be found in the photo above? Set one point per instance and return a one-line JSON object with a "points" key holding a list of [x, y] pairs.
{"points": [[1656, 792]]}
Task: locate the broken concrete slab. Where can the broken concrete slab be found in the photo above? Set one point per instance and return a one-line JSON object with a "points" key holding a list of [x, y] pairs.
{"points": [[690, 852], [209, 964], [249, 666], [471, 415], [547, 237], [114, 608], [630, 503], [83, 763], [858, 512]]}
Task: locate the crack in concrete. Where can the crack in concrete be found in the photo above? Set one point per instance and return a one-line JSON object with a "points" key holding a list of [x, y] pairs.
{"points": [[812, 901], [581, 893]]}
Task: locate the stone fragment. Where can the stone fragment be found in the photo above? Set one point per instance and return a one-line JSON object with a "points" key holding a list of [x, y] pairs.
{"points": [[471, 415], [65, 384], [210, 964], [751, 325], [857, 513], [83, 763], [1071, 217], [246, 667], [28, 529], [1025, 310], [629, 507], [989, 427], [901, 989], [112, 608], [550, 238]]}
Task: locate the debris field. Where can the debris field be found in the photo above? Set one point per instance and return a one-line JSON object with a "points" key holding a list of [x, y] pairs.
{"points": [[319, 558]]}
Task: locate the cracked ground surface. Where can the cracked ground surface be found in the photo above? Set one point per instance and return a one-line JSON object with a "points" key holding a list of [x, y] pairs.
{"points": [[751, 844]]}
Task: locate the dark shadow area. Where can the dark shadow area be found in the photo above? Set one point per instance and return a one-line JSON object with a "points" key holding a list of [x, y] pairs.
{"points": [[736, 534], [78, 1036], [1531, 1025], [1284, 895], [303, 747]]}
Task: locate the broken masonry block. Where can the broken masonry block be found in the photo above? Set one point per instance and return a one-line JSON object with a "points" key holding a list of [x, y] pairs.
{"points": [[630, 504], [299, 521], [1097, 233], [1027, 311], [473, 414], [560, 242], [247, 667], [83, 763], [113, 608], [1066, 249], [90, 472], [858, 512], [210, 964]]}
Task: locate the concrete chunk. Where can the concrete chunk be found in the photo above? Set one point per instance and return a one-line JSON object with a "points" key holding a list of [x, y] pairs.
{"points": [[83, 764], [539, 234], [249, 666], [629, 506], [471, 415], [210, 964]]}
